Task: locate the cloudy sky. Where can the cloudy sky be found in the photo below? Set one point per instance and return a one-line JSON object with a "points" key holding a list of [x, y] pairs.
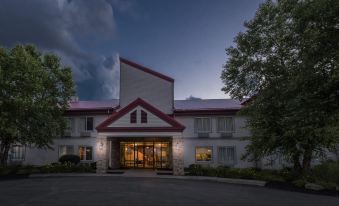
{"points": [[184, 39]]}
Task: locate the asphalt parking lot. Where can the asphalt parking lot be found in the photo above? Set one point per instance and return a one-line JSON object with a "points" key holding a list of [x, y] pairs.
{"points": [[146, 191]]}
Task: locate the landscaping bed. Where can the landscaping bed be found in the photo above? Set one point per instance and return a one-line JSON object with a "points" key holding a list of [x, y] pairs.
{"points": [[321, 179], [17, 172]]}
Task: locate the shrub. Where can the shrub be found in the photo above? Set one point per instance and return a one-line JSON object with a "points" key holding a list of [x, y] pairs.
{"points": [[326, 172], [74, 159]]}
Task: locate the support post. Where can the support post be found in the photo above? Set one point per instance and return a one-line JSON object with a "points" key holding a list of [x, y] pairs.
{"points": [[102, 151], [178, 155]]}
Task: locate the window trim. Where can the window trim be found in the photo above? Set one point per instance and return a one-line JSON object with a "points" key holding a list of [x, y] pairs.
{"points": [[135, 119], [85, 160], [196, 126], [235, 156], [233, 126], [86, 130], [23, 153], [143, 114], [195, 154], [65, 145]]}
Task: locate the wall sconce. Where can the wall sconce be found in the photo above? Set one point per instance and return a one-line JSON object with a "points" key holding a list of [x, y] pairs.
{"points": [[101, 146]]}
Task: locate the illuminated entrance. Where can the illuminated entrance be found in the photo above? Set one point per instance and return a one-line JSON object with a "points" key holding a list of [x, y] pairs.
{"points": [[145, 154]]}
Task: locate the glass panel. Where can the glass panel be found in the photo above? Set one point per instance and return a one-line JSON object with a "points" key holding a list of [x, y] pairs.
{"points": [[139, 156], [157, 154], [89, 123], [145, 154], [203, 154], [148, 156], [88, 153], [82, 153]]}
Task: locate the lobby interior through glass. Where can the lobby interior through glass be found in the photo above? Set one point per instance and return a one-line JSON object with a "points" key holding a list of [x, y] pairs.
{"points": [[145, 154]]}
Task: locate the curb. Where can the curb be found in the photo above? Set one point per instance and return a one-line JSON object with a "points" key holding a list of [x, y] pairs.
{"points": [[200, 178]]}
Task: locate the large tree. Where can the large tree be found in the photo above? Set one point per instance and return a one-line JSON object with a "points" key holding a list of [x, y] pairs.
{"points": [[287, 61], [35, 92]]}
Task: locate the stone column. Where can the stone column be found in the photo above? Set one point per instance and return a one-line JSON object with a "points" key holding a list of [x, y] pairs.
{"points": [[178, 155], [102, 151], [115, 154]]}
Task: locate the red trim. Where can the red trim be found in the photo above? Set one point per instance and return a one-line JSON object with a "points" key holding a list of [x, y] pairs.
{"points": [[205, 112], [145, 69], [176, 126]]}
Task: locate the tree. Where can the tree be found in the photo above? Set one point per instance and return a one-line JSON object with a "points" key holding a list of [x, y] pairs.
{"points": [[287, 60], [191, 97], [35, 92]]}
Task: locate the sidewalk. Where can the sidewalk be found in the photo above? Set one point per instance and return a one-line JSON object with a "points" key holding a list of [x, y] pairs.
{"points": [[152, 174]]}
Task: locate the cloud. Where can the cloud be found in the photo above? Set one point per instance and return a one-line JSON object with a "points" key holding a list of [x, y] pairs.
{"points": [[71, 29]]}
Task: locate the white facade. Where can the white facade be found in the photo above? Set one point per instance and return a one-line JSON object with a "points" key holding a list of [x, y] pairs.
{"points": [[135, 83], [217, 140]]}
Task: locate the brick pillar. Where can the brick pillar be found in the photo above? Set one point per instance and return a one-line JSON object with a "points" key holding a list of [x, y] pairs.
{"points": [[102, 150], [115, 154], [178, 155]]}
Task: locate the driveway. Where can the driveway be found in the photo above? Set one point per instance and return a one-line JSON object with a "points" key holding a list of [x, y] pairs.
{"points": [[146, 191]]}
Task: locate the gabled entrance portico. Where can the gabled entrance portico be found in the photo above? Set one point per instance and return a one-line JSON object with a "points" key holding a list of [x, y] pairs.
{"points": [[127, 141]]}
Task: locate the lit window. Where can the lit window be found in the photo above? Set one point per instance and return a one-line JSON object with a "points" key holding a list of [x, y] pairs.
{"points": [[85, 153], [143, 116], [202, 125], [65, 150], [17, 153], [225, 124], [203, 154], [86, 123], [226, 155], [133, 117]]}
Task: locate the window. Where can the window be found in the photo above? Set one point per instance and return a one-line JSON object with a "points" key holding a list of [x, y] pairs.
{"points": [[85, 153], [202, 125], [143, 116], [226, 155], [203, 154], [225, 124], [86, 123], [133, 117], [17, 153], [66, 149], [69, 126]]}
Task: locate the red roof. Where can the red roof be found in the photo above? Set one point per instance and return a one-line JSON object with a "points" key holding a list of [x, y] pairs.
{"points": [[93, 105], [175, 126], [145, 69], [205, 105]]}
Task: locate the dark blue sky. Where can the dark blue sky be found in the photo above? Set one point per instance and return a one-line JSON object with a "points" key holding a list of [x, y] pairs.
{"points": [[183, 39]]}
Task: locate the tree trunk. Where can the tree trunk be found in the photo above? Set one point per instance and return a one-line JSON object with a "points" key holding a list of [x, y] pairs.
{"points": [[296, 163], [4, 149], [307, 157]]}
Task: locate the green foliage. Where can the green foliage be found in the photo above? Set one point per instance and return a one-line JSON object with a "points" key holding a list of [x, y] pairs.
{"points": [[35, 91], [66, 167], [326, 172], [74, 159], [238, 173], [288, 59]]}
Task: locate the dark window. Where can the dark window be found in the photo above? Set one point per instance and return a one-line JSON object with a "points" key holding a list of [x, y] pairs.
{"points": [[134, 117], [89, 123], [143, 116]]}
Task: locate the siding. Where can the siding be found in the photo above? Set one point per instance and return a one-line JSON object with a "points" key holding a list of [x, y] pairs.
{"points": [[152, 120], [135, 83]]}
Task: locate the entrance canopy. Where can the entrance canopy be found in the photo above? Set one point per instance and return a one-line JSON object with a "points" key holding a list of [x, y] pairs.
{"points": [[140, 116]]}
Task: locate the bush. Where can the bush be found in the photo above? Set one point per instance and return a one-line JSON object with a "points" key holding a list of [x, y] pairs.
{"points": [[74, 159], [326, 172], [66, 167]]}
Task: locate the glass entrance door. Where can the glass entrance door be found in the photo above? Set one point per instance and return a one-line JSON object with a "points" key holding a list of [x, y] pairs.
{"points": [[145, 154]]}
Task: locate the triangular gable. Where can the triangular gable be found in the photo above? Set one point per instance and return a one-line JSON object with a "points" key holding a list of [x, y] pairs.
{"points": [[162, 123]]}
